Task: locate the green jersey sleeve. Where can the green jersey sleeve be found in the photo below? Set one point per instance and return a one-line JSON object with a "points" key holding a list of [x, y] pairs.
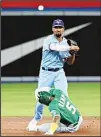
{"points": [[54, 109]]}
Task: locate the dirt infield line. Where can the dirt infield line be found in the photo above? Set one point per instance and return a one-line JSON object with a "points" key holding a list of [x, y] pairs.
{"points": [[16, 126]]}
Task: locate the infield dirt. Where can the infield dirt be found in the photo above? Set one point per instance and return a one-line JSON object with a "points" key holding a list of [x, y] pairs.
{"points": [[16, 126]]}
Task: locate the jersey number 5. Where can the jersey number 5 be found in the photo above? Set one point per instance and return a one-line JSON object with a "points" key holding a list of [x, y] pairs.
{"points": [[68, 105]]}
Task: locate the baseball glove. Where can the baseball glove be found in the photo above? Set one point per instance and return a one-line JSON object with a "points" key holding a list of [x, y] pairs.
{"points": [[74, 43]]}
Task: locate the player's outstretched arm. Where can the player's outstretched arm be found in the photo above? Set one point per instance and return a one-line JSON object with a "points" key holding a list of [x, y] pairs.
{"points": [[58, 47], [54, 125]]}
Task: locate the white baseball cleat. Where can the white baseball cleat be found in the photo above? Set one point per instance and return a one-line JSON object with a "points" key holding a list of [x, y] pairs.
{"points": [[32, 125], [34, 128], [48, 133]]}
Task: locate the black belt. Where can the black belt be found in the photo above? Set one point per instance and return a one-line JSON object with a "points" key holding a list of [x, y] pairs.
{"points": [[51, 69]]}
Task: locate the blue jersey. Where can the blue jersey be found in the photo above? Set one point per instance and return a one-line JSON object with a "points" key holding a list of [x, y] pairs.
{"points": [[50, 58]]}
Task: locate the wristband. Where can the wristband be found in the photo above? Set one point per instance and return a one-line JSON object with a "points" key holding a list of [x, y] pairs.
{"points": [[53, 127]]}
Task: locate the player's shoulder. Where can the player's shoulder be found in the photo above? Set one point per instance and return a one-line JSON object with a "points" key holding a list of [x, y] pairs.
{"points": [[64, 39], [49, 38]]}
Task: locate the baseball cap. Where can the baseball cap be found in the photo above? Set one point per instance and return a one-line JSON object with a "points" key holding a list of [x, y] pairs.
{"points": [[58, 22]]}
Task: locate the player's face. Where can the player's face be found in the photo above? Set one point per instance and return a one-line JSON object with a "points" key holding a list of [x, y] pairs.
{"points": [[58, 31]]}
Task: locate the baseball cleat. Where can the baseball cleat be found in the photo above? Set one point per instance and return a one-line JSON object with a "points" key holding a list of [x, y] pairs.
{"points": [[32, 125]]}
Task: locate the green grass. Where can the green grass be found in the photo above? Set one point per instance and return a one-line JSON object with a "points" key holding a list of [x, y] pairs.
{"points": [[19, 100]]}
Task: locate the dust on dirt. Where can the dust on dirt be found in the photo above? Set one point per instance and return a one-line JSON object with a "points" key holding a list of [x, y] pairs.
{"points": [[16, 126]]}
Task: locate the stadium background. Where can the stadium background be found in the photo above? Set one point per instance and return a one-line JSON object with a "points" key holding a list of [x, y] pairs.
{"points": [[20, 29]]}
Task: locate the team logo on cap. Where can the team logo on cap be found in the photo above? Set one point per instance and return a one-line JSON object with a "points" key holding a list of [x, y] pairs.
{"points": [[58, 21]]}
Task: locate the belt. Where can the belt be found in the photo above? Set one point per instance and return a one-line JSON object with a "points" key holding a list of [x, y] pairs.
{"points": [[51, 69]]}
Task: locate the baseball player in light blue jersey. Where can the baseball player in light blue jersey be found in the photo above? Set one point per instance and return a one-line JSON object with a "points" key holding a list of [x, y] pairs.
{"points": [[54, 54]]}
